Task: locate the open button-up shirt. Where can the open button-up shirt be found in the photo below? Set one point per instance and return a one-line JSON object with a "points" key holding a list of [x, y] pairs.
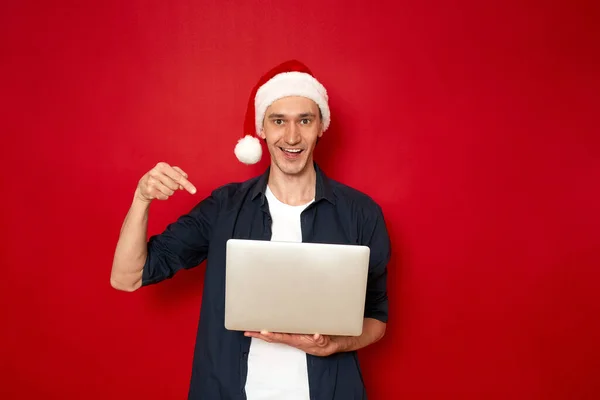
{"points": [[339, 215]]}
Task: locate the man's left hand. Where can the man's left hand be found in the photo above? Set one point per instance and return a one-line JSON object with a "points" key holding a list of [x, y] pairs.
{"points": [[317, 345]]}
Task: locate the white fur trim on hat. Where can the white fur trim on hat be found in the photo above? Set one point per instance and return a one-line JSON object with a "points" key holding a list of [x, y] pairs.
{"points": [[291, 84], [248, 150]]}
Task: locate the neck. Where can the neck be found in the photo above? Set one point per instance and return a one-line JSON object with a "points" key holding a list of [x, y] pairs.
{"points": [[294, 190]]}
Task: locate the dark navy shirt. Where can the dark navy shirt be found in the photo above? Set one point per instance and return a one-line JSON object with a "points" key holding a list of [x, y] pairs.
{"points": [[339, 215]]}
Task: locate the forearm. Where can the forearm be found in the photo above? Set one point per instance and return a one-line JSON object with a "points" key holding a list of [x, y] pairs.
{"points": [[373, 330], [131, 251]]}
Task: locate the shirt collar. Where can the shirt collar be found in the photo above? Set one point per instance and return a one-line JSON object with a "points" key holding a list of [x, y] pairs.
{"points": [[323, 186]]}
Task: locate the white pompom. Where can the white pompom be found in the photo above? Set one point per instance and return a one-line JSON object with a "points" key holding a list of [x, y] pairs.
{"points": [[248, 150]]}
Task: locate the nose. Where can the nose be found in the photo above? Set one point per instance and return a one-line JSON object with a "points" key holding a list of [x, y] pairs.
{"points": [[292, 135]]}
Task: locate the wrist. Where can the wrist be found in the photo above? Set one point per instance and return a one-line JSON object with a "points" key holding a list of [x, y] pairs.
{"points": [[340, 344], [139, 200]]}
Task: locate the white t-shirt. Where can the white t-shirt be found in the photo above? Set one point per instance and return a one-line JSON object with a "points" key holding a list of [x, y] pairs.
{"points": [[277, 371]]}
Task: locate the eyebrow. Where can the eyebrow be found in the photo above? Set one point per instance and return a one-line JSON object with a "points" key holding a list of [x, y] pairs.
{"points": [[303, 115]]}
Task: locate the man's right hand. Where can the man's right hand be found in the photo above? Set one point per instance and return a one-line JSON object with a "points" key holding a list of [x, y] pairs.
{"points": [[161, 182]]}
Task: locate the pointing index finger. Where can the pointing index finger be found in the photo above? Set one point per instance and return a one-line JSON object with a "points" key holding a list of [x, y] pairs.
{"points": [[179, 176], [187, 185], [182, 172]]}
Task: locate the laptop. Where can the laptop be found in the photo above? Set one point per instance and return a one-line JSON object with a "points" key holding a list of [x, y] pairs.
{"points": [[290, 287]]}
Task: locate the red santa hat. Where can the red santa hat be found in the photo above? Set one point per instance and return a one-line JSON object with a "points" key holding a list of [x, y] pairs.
{"points": [[291, 78]]}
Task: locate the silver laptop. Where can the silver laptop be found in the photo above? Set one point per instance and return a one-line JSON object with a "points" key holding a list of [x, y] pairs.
{"points": [[302, 288]]}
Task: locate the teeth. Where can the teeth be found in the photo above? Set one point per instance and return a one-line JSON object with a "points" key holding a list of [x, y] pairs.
{"points": [[292, 150]]}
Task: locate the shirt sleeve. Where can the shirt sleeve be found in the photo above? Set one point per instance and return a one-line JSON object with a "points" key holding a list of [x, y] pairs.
{"points": [[182, 245], [376, 304]]}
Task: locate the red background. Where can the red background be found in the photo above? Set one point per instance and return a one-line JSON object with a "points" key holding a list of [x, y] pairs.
{"points": [[470, 123]]}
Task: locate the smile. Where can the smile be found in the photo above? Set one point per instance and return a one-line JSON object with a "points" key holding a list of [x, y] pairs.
{"points": [[291, 151]]}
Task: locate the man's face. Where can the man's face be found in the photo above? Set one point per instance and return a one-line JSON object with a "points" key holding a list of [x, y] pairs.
{"points": [[291, 128]]}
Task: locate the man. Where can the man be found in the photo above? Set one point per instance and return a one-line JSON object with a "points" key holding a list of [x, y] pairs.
{"points": [[292, 201]]}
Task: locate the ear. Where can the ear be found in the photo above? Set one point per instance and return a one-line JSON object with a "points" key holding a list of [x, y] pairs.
{"points": [[320, 129], [262, 135]]}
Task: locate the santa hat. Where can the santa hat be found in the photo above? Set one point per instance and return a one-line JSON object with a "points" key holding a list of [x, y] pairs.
{"points": [[291, 78]]}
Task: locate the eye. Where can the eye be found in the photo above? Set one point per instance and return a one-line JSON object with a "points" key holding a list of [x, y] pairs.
{"points": [[278, 121], [305, 121]]}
